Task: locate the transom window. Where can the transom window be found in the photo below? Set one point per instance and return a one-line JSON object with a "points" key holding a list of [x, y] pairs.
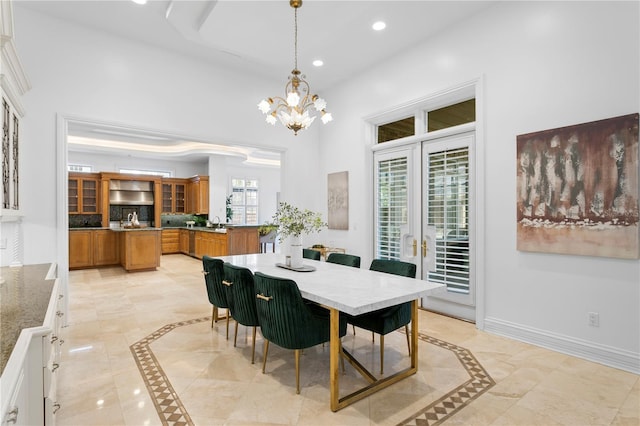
{"points": [[436, 119]]}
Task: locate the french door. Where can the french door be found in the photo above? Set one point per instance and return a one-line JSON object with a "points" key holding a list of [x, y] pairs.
{"points": [[424, 214]]}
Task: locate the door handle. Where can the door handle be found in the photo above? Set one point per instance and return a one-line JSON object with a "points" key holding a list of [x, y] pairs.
{"points": [[415, 247], [424, 248]]}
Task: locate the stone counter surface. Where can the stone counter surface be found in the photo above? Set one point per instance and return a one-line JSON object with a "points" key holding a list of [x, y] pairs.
{"points": [[24, 297]]}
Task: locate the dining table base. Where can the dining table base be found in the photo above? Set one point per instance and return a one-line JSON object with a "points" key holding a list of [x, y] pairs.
{"points": [[375, 384]]}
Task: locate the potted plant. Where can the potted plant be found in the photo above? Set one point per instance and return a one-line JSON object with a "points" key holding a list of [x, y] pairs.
{"points": [[229, 211], [294, 222]]}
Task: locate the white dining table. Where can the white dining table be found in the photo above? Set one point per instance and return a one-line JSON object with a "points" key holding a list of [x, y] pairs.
{"points": [[352, 291]]}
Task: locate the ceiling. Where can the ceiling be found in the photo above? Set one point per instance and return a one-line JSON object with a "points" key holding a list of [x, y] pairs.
{"points": [[258, 35]]}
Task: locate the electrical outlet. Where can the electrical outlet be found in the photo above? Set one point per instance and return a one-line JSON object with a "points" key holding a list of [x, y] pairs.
{"points": [[594, 319]]}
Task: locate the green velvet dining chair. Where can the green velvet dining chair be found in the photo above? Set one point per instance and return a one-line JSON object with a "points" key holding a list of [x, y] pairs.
{"points": [[344, 259], [311, 254], [241, 298], [213, 270], [384, 321], [289, 322]]}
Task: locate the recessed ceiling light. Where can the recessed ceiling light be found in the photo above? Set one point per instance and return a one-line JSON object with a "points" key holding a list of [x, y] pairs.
{"points": [[139, 1], [379, 26], [318, 63]]}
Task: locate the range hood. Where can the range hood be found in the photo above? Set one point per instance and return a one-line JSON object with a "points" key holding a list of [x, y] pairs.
{"points": [[130, 193]]}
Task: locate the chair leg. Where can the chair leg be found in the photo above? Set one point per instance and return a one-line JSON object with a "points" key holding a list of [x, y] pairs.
{"points": [[264, 355], [297, 355], [373, 337], [235, 336], [382, 354], [214, 313], [253, 347], [406, 331], [354, 329], [228, 324]]}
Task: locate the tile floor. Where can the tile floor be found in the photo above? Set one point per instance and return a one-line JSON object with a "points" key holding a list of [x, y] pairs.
{"points": [[139, 350]]}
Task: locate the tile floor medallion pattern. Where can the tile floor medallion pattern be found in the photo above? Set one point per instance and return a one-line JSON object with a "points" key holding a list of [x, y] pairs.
{"points": [[172, 411]]}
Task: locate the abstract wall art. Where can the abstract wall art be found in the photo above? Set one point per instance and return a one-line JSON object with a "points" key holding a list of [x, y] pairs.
{"points": [[577, 189], [338, 200]]}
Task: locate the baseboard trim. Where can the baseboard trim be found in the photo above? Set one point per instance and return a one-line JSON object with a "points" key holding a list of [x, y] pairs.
{"points": [[602, 354]]}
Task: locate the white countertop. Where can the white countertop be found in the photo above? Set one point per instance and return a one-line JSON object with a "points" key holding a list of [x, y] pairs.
{"points": [[350, 290]]}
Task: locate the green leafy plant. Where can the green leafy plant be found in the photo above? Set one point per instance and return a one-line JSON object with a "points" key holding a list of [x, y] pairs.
{"points": [[292, 221], [229, 209], [266, 228]]}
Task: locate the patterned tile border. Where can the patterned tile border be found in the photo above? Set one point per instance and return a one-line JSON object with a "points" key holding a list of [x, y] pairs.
{"points": [[455, 400], [172, 411]]}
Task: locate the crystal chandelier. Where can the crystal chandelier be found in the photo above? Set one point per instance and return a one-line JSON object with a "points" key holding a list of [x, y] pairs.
{"points": [[294, 111]]}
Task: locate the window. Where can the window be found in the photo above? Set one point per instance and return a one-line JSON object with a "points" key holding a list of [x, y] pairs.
{"points": [[396, 129], [79, 168], [439, 118], [146, 172], [391, 205], [452, 115], [244, 201]]}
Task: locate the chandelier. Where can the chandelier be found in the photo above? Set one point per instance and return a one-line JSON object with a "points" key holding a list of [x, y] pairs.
{"points": [[295, 110]]}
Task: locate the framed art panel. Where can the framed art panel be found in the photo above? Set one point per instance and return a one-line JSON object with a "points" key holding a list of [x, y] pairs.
{"points": [[577, 189], [338, 200]]}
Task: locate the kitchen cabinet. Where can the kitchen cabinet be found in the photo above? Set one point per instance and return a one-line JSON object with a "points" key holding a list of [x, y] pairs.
{"points": [[198, 199], [83, 193], [80, 249], [174, 195], [236, 240], [170, 241], [210, 244], [28, 380], [140, 249], [183, 244], [243, 240], [105, 248], [89, 248]]}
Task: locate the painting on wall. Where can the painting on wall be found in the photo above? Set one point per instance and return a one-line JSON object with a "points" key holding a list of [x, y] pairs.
{"points": [[577, 189], [338, 200]]}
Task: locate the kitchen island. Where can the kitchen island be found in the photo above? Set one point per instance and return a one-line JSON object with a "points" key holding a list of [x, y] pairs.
{"points": [[139, 248], [201, 241], [135, 249]]}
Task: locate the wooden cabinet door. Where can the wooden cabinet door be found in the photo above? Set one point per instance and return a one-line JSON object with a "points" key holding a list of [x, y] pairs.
{"points": [[89, 188], [180, 197], [184, 241], [106, 248], [167, 198], [80, 249], [74, 195]]}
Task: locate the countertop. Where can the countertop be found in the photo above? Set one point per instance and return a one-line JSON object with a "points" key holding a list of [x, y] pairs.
{"points": [[24, 298], [88, 228]]}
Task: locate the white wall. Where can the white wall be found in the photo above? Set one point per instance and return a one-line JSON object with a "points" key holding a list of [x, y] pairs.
{"points": [[544, 65], [113, 163], [79, 72]]}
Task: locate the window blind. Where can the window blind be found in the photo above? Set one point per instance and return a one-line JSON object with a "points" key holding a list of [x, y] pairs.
{"points": [[448, 211], [391, 206]]}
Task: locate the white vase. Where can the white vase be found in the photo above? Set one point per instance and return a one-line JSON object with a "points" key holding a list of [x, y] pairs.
{"points": [[296, 251]]}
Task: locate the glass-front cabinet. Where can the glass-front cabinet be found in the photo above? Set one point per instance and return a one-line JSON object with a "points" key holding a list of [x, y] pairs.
{"points": [[83, 190], [174, 195]]}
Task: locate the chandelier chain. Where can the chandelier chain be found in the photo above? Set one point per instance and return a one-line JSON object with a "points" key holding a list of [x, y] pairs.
{"points": [[295, 38]]}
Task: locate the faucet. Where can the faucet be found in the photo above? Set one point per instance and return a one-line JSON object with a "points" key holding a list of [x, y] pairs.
{"points": [[217, 221], [129, 218]]}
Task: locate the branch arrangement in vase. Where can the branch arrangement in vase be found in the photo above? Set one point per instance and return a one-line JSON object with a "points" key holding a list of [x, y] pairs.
{"points": [[292, 221]]}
